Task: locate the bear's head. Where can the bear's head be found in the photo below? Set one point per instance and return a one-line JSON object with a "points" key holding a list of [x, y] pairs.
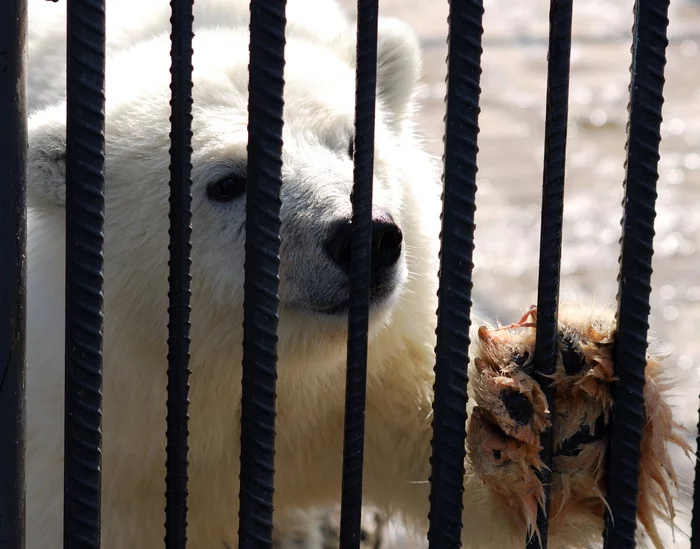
{"points": [[316, 204]]}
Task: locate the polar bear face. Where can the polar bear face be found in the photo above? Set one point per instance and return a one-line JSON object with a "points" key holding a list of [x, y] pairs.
{"points": [[317, 182]]}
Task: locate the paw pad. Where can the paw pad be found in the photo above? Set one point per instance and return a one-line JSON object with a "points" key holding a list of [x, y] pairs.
{"points": [[518, 407]]}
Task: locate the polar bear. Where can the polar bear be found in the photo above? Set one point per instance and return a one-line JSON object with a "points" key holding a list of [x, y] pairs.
{"points": [[509, 413], [319, 528]]}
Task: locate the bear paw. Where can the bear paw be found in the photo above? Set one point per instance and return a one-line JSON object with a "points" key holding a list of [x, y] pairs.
{"points": [[510, 413]]}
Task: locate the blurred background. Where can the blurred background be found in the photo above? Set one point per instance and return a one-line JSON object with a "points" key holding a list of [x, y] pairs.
{"points": [[510, 170]]}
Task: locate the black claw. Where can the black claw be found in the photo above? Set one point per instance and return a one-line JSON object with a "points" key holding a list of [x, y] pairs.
{"points": [[571, 356], [521, 359], [523, 362], [572, 446], [518, 406]]}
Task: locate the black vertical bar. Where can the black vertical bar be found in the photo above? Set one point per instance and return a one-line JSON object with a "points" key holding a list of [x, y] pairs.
{"points": [[13, 274], [545, 359], [265, 106], [179, 279], [454, 295], [358, 320], [695, 521], [643, 138], [85, 103]]}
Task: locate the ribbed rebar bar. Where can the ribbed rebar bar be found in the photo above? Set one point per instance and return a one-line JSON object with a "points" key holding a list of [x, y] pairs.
{"points": [[85, 146], [265, 106], [179, 277], [552, 215], [360, 256], [13, 270], [454, 295], [695, 520], [641, 166]]}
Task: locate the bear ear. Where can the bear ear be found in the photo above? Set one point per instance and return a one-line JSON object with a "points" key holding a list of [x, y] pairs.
{"points": [[46, 157], [399, 66]]}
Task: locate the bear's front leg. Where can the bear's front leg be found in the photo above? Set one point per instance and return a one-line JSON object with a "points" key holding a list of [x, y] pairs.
{"points": [[510, 414]]}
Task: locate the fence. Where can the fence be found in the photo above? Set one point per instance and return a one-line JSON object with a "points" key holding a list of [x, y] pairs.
{"points": [[85, 207]]}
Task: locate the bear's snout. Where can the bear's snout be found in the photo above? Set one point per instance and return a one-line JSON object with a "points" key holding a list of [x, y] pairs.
{"points": [[387, 242], [386, 246]]}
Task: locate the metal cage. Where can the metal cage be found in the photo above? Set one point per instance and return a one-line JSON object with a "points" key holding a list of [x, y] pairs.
{"points": [[85, 213]]}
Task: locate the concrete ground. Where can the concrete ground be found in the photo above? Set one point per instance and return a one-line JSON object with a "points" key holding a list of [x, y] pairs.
{"points": [[510, 168]]}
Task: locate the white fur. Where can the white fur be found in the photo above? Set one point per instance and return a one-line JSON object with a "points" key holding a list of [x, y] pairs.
{"points": [[317, 182]]}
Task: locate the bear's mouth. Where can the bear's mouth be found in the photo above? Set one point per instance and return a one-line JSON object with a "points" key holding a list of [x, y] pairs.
{"points": [[378, 296]]}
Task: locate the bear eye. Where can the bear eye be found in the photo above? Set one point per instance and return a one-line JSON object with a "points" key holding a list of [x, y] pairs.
{"points": [[227, 189]]}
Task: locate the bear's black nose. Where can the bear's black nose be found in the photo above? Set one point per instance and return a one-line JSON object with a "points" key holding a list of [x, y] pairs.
{"points": [[386, 245]]}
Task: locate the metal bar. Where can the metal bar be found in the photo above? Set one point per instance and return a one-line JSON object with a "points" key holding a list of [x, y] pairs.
{"points": [[454, 295], [13, 270], [265, 106], [85, 103], [643, 138], [695, 520], [546, 348], [360, 259], [179, 279]]}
